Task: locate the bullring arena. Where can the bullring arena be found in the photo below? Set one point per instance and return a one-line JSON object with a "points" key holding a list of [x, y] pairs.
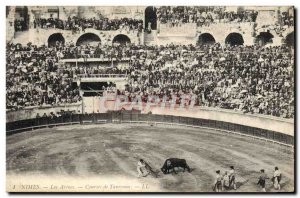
{"points": [[91, 90], [112, 150]]}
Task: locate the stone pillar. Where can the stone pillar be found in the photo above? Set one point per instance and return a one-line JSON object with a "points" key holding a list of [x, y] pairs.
{"points": [[31, 18], [277, 40], [142, 41], [10, 25], [62, 13]]}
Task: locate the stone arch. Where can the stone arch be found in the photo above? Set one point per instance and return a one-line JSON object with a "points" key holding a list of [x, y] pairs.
{"points": [[122, 39], [150, 16], [206, 39], [88, 38], [264, 38], [54, 38], [290, 39], [234, 38]]}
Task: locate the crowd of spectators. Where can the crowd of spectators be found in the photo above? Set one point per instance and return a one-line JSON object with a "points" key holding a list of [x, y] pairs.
{"points": [[34, 78], [70, 51], [172, 15], [251, 79], [177, 15], [286, 19], [61, 114], [76, 24], [20, 25]]}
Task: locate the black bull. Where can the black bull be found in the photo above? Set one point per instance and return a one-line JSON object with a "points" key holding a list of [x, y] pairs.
{"points": [[174, 162]]}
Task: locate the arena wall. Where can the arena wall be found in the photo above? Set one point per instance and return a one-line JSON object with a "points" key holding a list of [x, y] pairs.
{"points": [[265, 126], [177, 40], [31, 112], [266, 122], [285, 126], [221, 30], [152, 119]]}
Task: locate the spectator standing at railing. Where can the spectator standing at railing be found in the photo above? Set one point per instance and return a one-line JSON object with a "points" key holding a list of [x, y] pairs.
{"points": [[149, 27]]}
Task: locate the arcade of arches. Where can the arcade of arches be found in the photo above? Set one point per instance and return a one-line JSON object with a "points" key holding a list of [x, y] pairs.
{"points": [[234, 39], [264, 38], [53, 38], [206, 39], [88, 38], [121, 39], [290, 40]]}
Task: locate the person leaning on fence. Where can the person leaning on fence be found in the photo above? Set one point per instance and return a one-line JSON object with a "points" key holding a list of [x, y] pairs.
{"points": [[276, 178], [218, 182], [262, 180]]}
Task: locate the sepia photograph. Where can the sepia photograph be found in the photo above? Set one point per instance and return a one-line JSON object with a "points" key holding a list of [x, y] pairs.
{"points": [[150, 99]]}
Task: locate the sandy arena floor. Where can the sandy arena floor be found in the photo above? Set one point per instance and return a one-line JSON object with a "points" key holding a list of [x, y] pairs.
{"points": [[113, 149]]}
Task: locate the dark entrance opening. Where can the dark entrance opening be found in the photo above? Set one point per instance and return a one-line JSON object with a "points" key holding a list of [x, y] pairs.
{"points": [[22, 23], [88, 38], [121, 39], [290, 40], [206, 39], [264, 38], [234, 39], [95, 88], [54, 38], [150, 16]]}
